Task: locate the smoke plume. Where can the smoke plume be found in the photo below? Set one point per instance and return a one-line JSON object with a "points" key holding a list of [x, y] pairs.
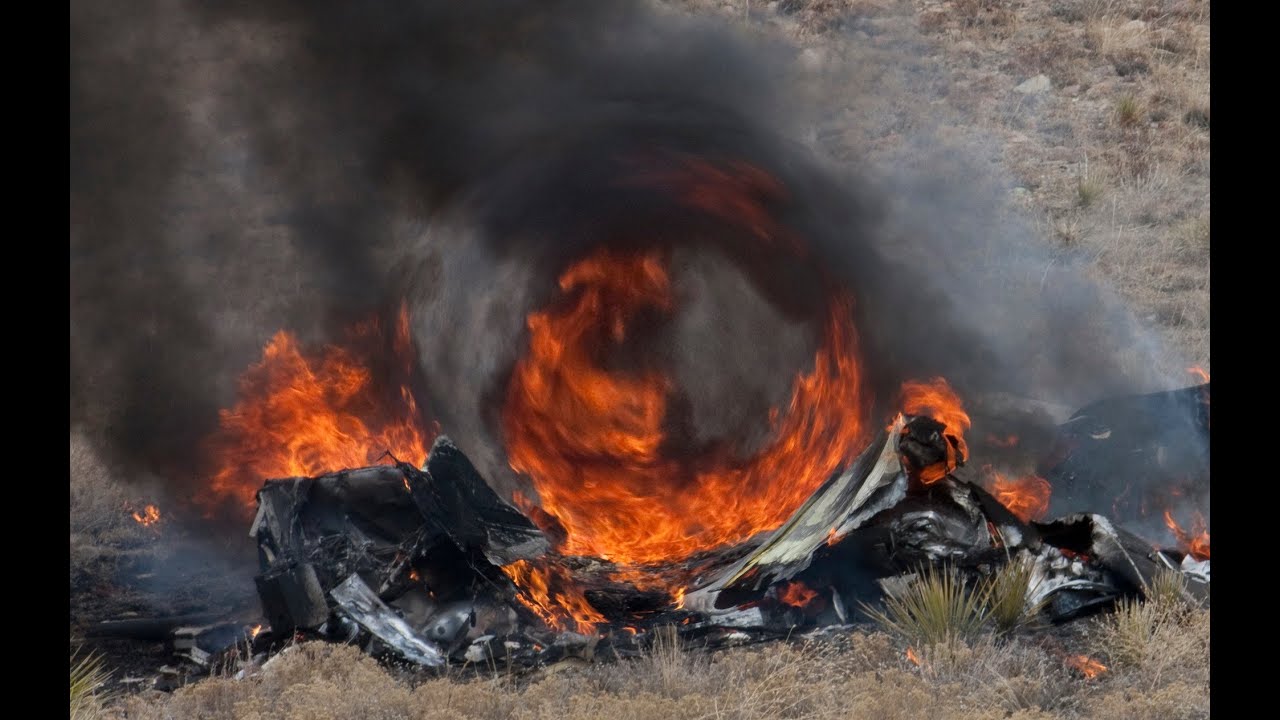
{"points": [[242, 167]]}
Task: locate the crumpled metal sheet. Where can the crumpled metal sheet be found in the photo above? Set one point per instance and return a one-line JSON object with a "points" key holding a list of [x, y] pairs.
{"points": [[871, 484], [361, 604]]}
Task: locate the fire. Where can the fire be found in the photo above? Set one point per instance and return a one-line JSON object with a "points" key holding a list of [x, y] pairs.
{"points": [[936, 399], [1199, 372], [1008, 441], [149, 516], [1196, 542], [796, 594], [912, 656], [1086, 665], [254, 631], [302, 414], [734, 191], [550, 592], [591, 440], [1027, 496]]}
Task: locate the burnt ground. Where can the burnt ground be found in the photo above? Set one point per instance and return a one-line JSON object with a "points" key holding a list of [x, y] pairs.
{"points": [[166, 575]]}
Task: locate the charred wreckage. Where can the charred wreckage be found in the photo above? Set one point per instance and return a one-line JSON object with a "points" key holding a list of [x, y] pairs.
{"points": [[429, 566]]}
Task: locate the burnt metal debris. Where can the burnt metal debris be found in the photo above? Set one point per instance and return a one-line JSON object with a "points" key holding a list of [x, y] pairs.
{"points": [[407, 562]]}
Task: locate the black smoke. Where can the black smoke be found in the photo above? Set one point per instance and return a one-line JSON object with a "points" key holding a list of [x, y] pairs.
{"points": [[242, 167]]}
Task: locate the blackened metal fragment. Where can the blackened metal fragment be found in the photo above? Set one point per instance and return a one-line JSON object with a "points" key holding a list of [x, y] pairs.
{"points": [[361, 604]]}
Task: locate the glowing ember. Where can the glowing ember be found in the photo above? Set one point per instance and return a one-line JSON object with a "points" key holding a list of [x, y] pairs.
{"points": [[305, 414], [832, 538], [1196, 542], [253, 631], [796, 594], [552, 595], [912, 656], [592, 439], [936, 399], [1086, 665], [149, 516], [1027, 496]]}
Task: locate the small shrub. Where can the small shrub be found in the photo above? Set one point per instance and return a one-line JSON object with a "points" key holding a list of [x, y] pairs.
{"points": [[1168, 590], [1007, 596], [1129, 633], [1088, 191], [936, 608], [1197, 117], [1128, 111]]}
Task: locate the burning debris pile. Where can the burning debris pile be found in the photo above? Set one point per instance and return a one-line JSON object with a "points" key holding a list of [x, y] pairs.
{"points": [[430, 566]]}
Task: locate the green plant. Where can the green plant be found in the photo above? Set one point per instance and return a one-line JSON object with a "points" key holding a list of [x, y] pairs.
{"points": [[936, 608], [88, 678], [1007, 595]]}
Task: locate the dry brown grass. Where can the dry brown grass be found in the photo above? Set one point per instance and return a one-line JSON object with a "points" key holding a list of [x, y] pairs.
{"points": [[100, 524], [866, 675], [1112, 161]]}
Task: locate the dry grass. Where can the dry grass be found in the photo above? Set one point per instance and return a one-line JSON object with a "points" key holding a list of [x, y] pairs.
{"points": [[1112, 162], [100, 524], [865, 675]]}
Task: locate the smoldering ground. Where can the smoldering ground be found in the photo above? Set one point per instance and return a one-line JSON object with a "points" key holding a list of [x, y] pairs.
{"points": [[239, 168]]}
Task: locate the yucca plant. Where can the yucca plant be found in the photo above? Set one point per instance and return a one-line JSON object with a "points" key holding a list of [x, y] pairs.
{"points": [[936, 608], [1007, 594], [88, 678]]}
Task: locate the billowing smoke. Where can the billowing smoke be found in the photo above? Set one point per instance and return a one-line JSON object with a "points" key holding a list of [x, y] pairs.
{"points": [[238, 168]]}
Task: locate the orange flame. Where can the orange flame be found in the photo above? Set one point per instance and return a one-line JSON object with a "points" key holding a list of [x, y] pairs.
{"points": [[254, 631], [592, 440], [551, 594], [1008, 441], [305, 414], [1196, 542], [149, 516], [733, 191], [912, 656], [1027, 496], [1086, 665], [936, 399], [1200, 373], [796, 594]]}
